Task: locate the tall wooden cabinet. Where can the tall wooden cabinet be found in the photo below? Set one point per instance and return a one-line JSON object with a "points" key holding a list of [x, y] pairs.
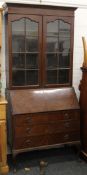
{"points": [[44, 108], [83, 107], [3, 137]]}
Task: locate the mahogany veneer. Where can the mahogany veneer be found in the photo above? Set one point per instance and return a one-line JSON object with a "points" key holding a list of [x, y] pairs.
{"points": [[43, 113], [3, 137], [43, 119]]}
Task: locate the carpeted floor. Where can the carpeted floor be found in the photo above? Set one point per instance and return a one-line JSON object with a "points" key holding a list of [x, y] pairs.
{"points": [[61, 161]]}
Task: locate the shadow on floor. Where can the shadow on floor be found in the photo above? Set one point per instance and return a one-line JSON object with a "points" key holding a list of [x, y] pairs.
{"points": [[60, 161]]}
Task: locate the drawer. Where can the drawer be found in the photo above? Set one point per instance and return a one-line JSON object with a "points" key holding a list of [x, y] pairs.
{"points": [[30, 119], [31, 131], [61, 138], [64, 115], [0, 154], [0, 145], [31, 142], [41, 118], [2, 111], [63, 126]]}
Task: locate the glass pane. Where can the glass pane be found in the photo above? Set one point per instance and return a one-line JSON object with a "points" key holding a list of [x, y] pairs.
{"points": [[63, 76], [52, 77], [18, 78], [64, 34], [18, 60], [64, 59], [52, 61], [31, 28], [52, 28], [32, 61], [64, 29], [52, 44], [64, 26], [31, 77], [18, 42], [64, 44], [31, 44], [18, 27]]}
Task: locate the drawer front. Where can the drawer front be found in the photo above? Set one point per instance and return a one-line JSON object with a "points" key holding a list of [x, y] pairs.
{"points": [[31, 130], [0, 144], [41, 118], [45, 140], [35, 141], [2, 111], [64, 115], [30, 119], [64, 126], [63, 138]]}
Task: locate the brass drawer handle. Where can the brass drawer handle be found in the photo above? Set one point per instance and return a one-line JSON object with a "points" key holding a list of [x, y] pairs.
{"points": [[67, 124], [28, 130], [66, 115], [28, 119], [27, 141], [66, 136]]}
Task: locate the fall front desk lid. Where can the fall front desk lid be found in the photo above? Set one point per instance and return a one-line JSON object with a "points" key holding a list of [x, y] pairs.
{"points": [[42, 100]]}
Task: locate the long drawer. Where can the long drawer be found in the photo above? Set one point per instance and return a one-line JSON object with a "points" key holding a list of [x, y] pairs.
{"points": [[57, 127], [45, 140], [41, 118]]}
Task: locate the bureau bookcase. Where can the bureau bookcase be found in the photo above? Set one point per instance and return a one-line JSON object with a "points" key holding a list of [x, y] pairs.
{"points": [[44, 108]]}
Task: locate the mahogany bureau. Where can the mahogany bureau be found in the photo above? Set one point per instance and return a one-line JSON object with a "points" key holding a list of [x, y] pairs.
{"points": [[43, 118], [43, 107]]}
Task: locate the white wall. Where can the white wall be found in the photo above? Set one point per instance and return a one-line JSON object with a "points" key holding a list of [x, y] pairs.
{"points": [[3, 71], [80, 29], [76, 3]]}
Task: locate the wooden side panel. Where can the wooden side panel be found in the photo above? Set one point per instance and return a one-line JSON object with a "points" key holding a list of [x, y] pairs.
{"points": [[3, 142], [0, 145]]}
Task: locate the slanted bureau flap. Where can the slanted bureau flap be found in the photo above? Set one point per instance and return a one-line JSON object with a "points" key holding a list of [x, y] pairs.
{"points": [[43, 100]]}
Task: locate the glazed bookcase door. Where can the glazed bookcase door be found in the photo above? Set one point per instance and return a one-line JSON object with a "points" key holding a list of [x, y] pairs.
{"points": [[41, 51], [25, 51], [57, 51]]}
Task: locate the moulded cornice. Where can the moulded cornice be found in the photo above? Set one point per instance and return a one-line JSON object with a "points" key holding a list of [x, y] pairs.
{"points": [[67, 3]]}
